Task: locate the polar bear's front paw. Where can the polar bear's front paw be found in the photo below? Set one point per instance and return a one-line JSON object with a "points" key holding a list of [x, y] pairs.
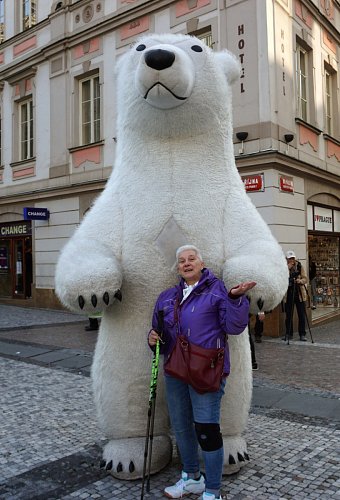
{"points": [[124, 458], [106, 299], [235, 454]]}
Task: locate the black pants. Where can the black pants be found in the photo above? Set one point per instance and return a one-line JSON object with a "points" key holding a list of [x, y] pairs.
{"points": [[258, 328], [252, 347], [293, 299]]}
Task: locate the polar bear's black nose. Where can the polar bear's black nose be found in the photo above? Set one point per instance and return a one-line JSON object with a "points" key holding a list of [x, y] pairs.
{"points": [[159, 59]]}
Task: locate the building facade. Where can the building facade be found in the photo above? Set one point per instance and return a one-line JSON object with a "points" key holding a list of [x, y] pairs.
{"points": [[58, 138]]}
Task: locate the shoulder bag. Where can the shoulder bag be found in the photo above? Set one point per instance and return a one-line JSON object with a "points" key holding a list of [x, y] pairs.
{"points": [[197, 366]]}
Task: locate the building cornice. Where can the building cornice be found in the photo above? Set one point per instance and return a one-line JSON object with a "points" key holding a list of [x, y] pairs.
{"points": [[51, 191], [280, 161], [322, 19], [19, 37]]}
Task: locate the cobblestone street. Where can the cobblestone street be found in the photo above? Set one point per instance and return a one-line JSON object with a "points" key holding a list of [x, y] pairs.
{"points": [[51, 446]]}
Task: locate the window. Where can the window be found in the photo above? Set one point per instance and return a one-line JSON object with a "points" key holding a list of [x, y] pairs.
{"points": [[2, 20], [90, 110], [328, 102], [206, 38], [26, 129], [302, 82], [28, 14], [331, 102]]}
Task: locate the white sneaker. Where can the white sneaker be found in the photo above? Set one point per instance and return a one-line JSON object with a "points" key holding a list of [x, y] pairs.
{"points": [[210, 496], [185, 486]]}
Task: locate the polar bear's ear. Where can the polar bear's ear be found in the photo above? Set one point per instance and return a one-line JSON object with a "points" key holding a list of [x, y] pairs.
{"points": [[229, 64]]}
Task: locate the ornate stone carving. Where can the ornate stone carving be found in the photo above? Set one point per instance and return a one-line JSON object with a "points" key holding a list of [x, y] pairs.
{"points": [[88, 13]]}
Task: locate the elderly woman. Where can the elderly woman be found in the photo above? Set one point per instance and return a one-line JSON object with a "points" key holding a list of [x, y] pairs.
{"points": [[206, 314]]}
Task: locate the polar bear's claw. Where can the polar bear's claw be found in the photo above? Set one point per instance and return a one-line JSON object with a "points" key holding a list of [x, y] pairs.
{"points": [[236, 455], [94, 301], [124, 458], [106, 298]]}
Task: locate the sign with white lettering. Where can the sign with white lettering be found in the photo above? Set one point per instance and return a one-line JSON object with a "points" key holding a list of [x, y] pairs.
{"points": [[286, 184], [36, 213], [323, 219], [253, 182], [10, 229]]}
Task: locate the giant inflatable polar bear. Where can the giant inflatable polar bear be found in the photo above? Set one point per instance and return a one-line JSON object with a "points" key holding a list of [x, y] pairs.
{"points": [[174, 182]]}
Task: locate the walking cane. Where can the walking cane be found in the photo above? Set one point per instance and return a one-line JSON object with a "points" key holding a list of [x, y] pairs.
{"points": [[151, 410]]}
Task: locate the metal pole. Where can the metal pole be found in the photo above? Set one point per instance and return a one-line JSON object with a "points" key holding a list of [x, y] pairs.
{"points": [[151, 409]]}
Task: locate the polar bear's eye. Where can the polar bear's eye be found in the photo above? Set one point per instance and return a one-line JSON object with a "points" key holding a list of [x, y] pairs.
{"points": [[141, 47], [197, 48]]}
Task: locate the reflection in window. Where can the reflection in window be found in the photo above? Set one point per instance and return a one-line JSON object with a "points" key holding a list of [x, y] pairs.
{"points": [[29, 13], [2, 20], [26, 129], [90, 110]]}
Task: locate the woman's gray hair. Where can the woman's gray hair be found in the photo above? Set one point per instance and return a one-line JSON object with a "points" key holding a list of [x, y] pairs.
{"points": [[188, 247]]}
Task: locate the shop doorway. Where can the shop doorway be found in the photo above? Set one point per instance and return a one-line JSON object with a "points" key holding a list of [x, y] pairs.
{"points": [[16, 269], [324, 251]]}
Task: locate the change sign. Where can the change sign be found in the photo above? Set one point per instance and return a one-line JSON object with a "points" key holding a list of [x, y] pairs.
{"points": [[36, 213]]}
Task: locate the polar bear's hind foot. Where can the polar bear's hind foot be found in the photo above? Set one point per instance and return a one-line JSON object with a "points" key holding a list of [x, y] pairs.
{"points": [[235, 454], [124, 458]]}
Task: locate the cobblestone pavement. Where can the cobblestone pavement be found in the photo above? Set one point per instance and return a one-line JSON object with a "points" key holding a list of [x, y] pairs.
{"points": [[14, 317], [51, 446]]}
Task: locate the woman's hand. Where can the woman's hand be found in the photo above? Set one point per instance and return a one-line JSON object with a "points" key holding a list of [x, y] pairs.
{"points": [[242, 288], [153, 337], [261, 315]]}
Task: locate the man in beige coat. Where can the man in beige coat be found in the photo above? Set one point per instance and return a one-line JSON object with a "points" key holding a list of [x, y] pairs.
{"points": [[296, 295]]}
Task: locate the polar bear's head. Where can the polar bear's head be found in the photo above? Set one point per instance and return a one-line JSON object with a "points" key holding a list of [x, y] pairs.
{"points": [[162, 73]]}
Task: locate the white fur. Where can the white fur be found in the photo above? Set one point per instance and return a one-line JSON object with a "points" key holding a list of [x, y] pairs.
{"points": [[174, 163]]}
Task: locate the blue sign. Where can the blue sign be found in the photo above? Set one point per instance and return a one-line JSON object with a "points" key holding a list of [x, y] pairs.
{"points": [[36, 213]]}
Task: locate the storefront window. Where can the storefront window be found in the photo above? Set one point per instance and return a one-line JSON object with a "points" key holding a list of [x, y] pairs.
{"points": [[324, 251]]}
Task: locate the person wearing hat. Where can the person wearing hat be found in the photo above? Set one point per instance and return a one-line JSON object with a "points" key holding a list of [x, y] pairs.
{"points": [[296, 295]]}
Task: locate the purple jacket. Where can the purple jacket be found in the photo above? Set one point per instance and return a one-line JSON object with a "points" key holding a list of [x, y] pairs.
{"points": [[206, 317]]}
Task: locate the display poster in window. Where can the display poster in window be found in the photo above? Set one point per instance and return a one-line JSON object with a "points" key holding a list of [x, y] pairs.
{"points": [[3, 257], [323, 219]]}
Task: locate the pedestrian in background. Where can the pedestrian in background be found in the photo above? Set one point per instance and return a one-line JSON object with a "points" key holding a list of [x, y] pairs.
{"points": [[296, 296], [258, 330]]}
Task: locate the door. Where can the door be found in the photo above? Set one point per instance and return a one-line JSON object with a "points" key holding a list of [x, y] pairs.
{"points": [[18, 268], [5, 268]]}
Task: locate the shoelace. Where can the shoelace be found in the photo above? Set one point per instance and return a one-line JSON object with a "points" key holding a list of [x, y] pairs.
{"points": [[180, 485]]}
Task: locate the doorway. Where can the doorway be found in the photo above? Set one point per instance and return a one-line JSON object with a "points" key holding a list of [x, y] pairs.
{"points": [[16, 267]]}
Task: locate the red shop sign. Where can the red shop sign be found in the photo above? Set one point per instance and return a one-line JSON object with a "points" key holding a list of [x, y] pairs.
{"points": [[286, 184], [253, 182]]}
